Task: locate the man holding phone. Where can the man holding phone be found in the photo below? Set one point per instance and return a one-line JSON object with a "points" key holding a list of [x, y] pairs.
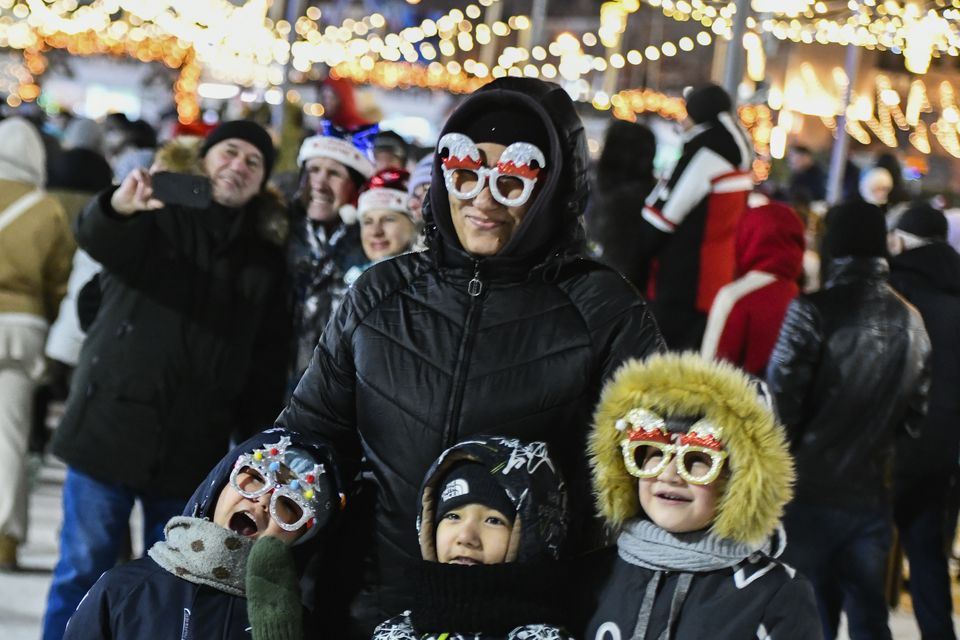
{"points": [[188, 346]]}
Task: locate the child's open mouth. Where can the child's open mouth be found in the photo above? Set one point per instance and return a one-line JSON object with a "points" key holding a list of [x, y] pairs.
{"points": [[672, 497], [465, 561], [243, 523]]}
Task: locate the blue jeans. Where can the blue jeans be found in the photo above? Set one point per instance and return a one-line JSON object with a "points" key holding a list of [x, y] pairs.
{"points": [[95, 520], [844, 554]]}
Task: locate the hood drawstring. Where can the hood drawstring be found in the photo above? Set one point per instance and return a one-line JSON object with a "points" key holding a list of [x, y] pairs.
{"points": [[676, 604]]}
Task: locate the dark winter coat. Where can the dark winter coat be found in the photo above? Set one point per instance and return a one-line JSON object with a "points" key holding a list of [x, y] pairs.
{"points": [[687, 240], [850, 369], [188, 344], [929, 277], [316, 264], [416, 360], [520, 598], [759, 598], [613, 224], [141, 599]]}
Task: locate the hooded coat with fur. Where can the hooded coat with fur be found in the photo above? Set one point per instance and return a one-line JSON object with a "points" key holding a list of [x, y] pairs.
{"points": [[412, 363], [759, 597], [187, 346], [142, 599], [746, 315], [520, 598]]}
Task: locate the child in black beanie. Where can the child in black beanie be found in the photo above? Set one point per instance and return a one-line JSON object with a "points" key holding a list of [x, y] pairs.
{"points": [[492, 519]]}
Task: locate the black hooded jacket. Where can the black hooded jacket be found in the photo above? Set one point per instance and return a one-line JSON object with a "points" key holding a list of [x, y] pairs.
{"points": [[848, 372], [141, 599], [520, 598], [929, 278], [412, 363]]}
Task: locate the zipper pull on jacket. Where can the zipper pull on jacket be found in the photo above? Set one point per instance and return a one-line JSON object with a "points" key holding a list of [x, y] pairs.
{"points": [[475, 286]]}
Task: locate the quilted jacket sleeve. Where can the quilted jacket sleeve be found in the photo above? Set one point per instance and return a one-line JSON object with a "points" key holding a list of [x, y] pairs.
{"points": [[793, 363], [324, 402]]}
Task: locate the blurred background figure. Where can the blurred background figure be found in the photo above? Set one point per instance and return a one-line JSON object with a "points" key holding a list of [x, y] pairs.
{"points": [[136, 145], [686, 242], [387, 226], [849, 376], [746, 315], [418, 185], [324, 242], [81, 166], [898, 193], [35, 250], [340, 104], [876, 184], [808, 181], [926, 271], [624, 178], [390, 151]]}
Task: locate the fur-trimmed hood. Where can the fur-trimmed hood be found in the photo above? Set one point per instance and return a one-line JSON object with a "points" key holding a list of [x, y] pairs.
{"points": [[531, 481], [685, 385]]}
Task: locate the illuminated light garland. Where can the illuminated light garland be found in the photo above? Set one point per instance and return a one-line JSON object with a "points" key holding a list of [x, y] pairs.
{"points": [[167, 50], [883, 118], [916, 30]]}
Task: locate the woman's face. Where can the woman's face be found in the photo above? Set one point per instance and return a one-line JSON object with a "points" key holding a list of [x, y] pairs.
{"points": [[385, 233], [483, 225]]}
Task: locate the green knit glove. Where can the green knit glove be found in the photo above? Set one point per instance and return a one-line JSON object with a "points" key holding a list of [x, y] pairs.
{"points": [[273, 592]]}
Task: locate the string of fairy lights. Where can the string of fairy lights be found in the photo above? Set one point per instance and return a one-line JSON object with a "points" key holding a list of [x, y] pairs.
{"points": [[462, 49]]}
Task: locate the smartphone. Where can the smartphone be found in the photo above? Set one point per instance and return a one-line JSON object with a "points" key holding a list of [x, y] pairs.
{"points": [[184, 189]]}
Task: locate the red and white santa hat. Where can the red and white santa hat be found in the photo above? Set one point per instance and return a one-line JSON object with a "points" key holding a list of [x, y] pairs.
{"points": [[334, 148], [386, 190]]}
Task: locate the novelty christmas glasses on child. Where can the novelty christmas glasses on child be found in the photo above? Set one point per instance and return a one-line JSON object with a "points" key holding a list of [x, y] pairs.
{"points": [[511, 180], [649, 447], [297, 498]]}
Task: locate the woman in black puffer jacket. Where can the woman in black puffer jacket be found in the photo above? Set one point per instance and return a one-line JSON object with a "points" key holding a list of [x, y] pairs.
{"points": [[500, 327]]}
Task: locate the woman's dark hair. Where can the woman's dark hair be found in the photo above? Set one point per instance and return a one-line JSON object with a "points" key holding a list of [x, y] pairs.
{"points": [[627, 155]]}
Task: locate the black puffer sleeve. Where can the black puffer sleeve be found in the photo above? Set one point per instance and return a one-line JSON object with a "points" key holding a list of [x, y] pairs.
{"points": [[324, 401]]}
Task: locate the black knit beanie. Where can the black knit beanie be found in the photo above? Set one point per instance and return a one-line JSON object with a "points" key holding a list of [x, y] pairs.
{"points": [[924, 221], [706, 103], [471, 483], [506, 126], [857, 229], [249, 132]]}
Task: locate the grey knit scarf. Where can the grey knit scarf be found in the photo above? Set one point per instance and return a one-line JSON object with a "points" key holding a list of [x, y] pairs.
{"points": [[202, 552], [644, 544]]}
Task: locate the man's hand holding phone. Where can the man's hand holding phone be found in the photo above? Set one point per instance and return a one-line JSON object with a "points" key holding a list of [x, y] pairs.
{"points": [[134, 194]]}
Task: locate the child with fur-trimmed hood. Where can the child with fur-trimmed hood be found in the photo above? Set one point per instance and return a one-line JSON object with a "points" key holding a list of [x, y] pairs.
{"points": [[692, 471], [493, 515]]}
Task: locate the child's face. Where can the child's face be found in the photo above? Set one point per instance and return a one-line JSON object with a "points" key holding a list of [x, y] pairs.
{"points": [[674, 504], [251, 516], [473, 534]]}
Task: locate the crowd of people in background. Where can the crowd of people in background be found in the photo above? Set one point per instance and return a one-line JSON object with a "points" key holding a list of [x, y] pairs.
{"points": [[411, 322]]}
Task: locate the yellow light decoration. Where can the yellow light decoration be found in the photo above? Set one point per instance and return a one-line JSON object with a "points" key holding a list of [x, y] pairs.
{"points": [[920, 139]]}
